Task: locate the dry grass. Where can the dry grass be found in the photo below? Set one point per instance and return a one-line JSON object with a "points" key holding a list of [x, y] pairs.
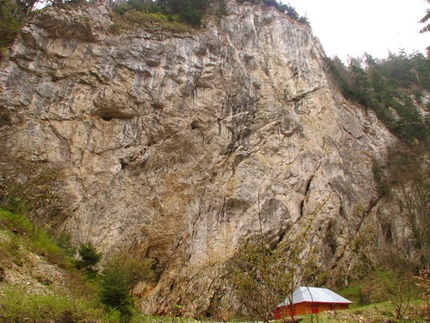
{"points": [[376, 313]]}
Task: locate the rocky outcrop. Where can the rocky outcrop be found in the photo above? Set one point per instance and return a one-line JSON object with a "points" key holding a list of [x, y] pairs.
{"points": [[175, 144]]}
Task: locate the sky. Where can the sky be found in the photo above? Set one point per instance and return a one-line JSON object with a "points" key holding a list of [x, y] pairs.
{"points": [[352, 28]]}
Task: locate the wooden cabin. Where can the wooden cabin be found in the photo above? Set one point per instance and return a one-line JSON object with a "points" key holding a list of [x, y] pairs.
{"points": [[310, 300]]}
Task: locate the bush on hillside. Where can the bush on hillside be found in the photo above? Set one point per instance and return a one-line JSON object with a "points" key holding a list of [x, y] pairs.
{"points": [[121, 273], [88, 258]]}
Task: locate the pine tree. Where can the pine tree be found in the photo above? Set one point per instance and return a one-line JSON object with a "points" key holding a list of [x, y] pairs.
{"points": [[121, 273], [89, 258], [426, 19]]}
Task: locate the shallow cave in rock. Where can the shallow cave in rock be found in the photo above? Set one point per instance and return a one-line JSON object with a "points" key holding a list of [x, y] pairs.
{"points": [[108, 114]]}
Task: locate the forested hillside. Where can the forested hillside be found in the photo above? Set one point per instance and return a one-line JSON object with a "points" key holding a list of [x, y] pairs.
{"points": [[396, 88]]}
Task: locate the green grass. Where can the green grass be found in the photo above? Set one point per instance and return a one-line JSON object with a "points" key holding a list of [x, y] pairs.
{"points": [[78, 300], [34, 238], [16, 304], [374, 313], [74, 299]]}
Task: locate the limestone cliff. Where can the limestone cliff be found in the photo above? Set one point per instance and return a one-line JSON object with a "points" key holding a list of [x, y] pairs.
{"points": [[173, 144]]}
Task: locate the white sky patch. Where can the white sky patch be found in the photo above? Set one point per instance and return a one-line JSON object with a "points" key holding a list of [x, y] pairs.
{"points": [[352, 28]]}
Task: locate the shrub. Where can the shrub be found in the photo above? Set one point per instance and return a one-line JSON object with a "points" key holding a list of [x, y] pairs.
{"points": [[64, 241], [120, 274], [192, 17], [9, 25], [141, 12], [121, 8], [115, 28], [423, 281], [88, 258], [257, 268], [17, 204], [34, 237], [175, 27], [382, 186], [17, 223]]}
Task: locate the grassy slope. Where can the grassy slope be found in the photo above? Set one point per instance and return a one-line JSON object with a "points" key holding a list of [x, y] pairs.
{"points": [[381, 312], [39, 284]]}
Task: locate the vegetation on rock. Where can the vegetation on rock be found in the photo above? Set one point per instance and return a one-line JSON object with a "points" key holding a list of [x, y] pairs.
{"points": [[174, 15], [408, 173], [9, 26], [171, 15]]}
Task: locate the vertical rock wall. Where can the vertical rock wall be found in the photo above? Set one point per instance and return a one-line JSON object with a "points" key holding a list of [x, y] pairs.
{"points": [[174, 144]]}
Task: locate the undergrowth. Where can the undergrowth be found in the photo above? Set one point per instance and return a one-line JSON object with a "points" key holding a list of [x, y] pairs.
{"points": [[131, 18], [33, 237], [71, 300], [376, 313], [29, 296], [16, 304], [78, 299]]}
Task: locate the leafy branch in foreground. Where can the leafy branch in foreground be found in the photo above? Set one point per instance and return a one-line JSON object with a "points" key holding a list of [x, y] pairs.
{"points": [[260, 279]]}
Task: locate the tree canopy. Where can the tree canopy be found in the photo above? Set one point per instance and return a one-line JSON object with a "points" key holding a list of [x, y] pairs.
{"points": [[393, 87], [88, 258], [425, 20]]}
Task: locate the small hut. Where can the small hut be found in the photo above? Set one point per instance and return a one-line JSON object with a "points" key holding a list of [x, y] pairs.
{"points": [[311, 300]]}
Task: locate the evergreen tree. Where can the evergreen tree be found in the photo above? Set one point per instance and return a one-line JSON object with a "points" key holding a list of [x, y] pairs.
{"points": [[121, 273], [9, 24], [384, 85], [64, 241], [425, 20], [88, 258]]}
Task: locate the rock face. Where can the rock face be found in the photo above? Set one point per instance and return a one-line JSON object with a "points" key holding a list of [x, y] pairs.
{"points": [[177, 145]]}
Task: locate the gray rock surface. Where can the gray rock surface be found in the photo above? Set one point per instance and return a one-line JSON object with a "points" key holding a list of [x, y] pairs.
{"points": [[173, 144]]}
